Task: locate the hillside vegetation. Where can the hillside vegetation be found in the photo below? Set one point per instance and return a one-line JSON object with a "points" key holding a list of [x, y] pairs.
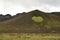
{"points": [[29, 36]]}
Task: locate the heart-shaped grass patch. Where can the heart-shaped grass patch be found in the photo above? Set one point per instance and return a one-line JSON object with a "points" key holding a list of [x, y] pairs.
{"points": [[37, 19]]}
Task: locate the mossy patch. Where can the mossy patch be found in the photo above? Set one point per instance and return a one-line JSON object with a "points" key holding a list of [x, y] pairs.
{"points": [[37, 18]]}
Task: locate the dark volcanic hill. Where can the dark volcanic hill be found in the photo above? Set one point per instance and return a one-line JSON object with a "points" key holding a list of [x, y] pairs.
{"points": [[24, 23], [56, 13], [5, 17]]}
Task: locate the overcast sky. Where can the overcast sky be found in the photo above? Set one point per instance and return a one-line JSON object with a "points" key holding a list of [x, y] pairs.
{"points": [[17, 6]]}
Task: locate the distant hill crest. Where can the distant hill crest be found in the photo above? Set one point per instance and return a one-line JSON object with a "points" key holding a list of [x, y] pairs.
{"points": [[33, 12]]}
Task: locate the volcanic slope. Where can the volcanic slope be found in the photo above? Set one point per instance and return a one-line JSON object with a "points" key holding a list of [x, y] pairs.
{"points": [[24, 23]]}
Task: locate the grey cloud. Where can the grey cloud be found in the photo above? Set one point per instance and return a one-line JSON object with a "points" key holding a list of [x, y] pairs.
{"points": [[33, 4], [51, 2]]}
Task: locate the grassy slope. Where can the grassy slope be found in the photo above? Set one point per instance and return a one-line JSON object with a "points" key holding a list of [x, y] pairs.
{"points": [[24, 23], [28, 36]]}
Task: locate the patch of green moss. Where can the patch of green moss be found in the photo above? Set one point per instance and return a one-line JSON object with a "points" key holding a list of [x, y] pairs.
{"points": [[37, 18]]}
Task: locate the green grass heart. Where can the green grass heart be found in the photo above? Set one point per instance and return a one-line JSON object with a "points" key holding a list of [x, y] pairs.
{"points": [[37, 19]]}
